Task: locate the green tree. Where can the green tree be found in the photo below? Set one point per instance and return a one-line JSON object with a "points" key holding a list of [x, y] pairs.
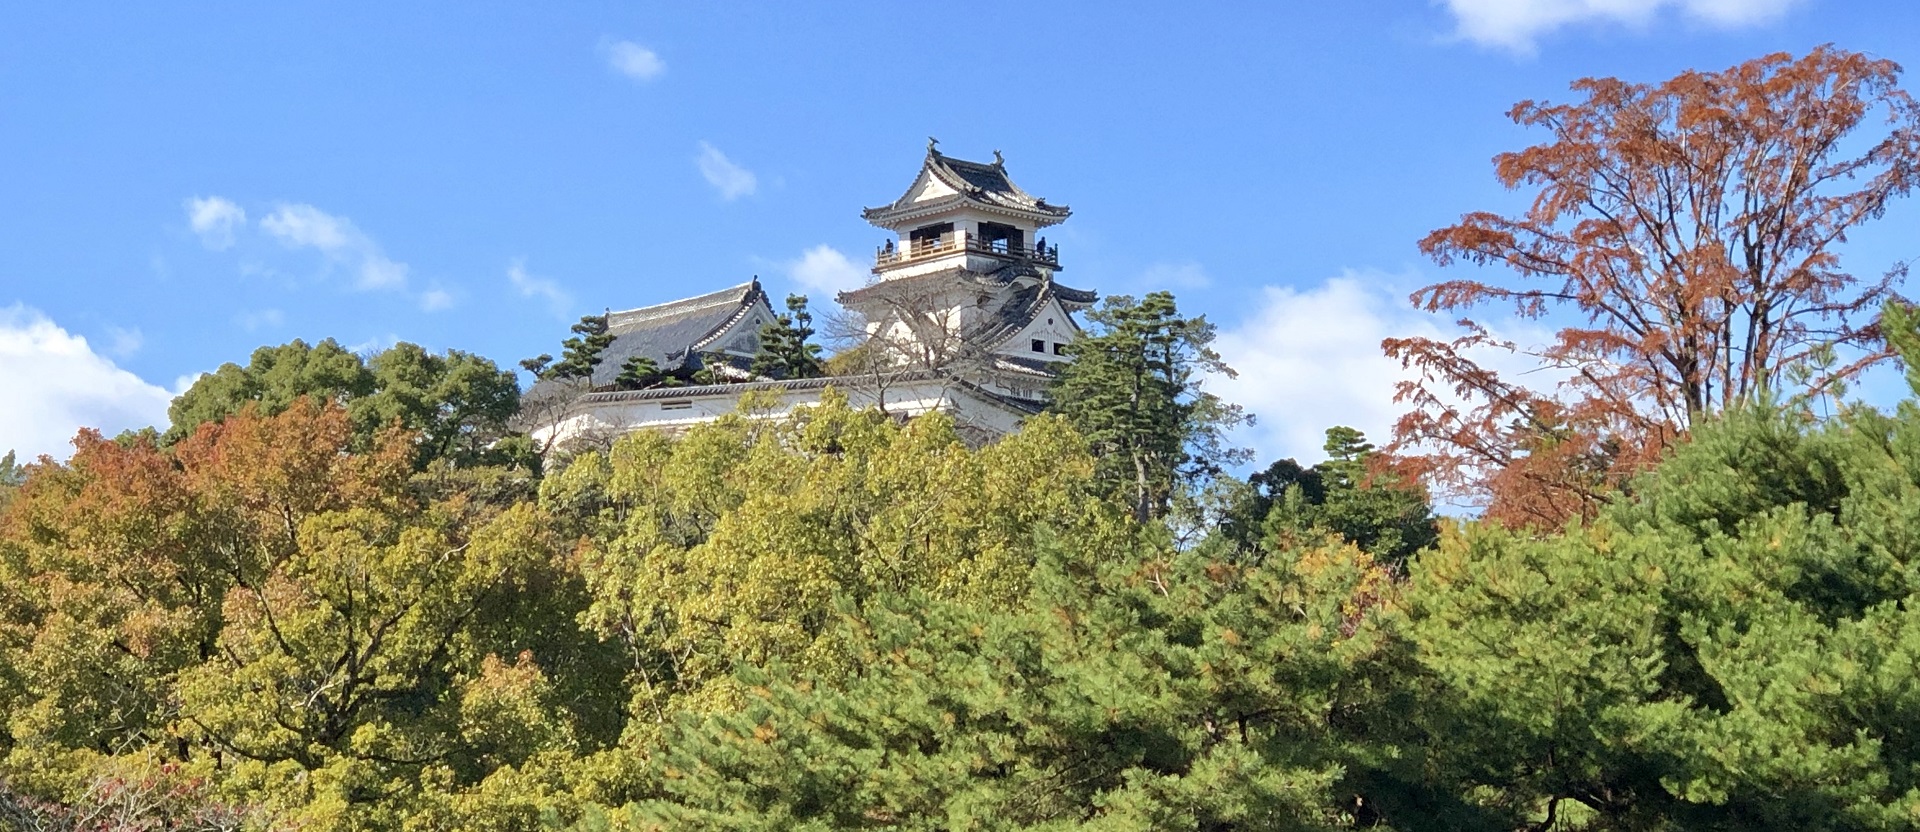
{"points": [[785, 352], [1346, 495], [12, 475], [1129, 693], [579, 355], [727, 546], [1730, 647], [457, 403], [273, 378], [1134, 391], [638, 373]]}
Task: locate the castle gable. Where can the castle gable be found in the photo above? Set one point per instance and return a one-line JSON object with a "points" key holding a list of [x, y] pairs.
{"points": [[673, 334]]}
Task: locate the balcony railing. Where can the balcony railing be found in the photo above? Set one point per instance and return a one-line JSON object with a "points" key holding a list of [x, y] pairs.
{"points": [[891, 255]]}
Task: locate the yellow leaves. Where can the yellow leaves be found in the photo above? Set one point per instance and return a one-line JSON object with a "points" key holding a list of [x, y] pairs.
{"points": [[765, 732], [739, 536]]}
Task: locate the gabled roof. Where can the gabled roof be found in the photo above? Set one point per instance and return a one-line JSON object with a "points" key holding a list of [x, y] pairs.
{"points": [[976, 184], [1019, 309], [1073, 299], [671, 333]]}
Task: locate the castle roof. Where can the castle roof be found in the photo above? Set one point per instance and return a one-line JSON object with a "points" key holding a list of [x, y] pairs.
{"points": [[671, 334], [945, 183], [993, 281], [1016, 302]]}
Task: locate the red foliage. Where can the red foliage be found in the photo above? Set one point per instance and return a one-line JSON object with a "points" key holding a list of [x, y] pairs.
{"points": [[1691, 226]]}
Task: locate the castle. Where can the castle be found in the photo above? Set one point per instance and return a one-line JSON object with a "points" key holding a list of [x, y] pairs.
{"points": [[962, 315]]}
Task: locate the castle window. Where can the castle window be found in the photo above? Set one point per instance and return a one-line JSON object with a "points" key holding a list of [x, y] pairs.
{"points": [[676, 405], [1039, 345], [930, 238], [1000, 237], [1059, 348]]}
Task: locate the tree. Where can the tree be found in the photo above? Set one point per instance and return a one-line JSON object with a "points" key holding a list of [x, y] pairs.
{"points": [[638, 373], [1129, 693], [458, 404], [579, 355], [12, 475], [271, 605], [785, 352], [729, 546], [1693, 229], [274, 377], [1348, 495], [1727, 647], [1133, 390]]}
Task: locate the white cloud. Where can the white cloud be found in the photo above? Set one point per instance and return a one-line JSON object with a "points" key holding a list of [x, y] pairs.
{"points": [[123, 343], [298, 225], [634, 61], [1176, 276], [1310, 359], [530, 286], [214, 220], [1515, 24], [730, 179], [56, 384], [264, 318], [825, 270], [434, 300]]}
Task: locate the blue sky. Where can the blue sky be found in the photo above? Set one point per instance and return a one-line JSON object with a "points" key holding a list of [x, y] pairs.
{"points": [[182, 183]]}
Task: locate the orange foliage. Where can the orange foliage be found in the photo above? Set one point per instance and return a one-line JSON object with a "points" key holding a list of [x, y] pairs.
{"points": [[1689, 227]]}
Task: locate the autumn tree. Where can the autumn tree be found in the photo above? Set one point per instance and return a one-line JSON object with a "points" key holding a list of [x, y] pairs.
{"points": [[1685, 235], [272, 604], [1134, 391]]}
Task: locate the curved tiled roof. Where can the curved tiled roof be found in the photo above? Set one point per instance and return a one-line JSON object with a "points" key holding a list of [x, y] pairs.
{"points": [[980, 184], [670, 334], [1017, 306], [1074, 299], [1019, 310]]}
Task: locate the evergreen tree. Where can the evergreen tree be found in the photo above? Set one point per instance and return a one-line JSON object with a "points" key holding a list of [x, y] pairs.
{"points": [[274, 377], [580, 354], [638, 373], [457, 402], [785, 352], [1133, 390], [1097, 701], [1344, 495]]}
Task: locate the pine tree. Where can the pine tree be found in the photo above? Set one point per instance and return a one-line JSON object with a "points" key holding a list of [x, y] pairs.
{"points": [[1387, 517], [1133, 390], [784, 350], [581, 353], [638, 373]]}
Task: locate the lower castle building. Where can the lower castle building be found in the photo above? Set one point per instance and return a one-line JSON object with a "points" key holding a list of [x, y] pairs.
{"points": [[963, 315]]}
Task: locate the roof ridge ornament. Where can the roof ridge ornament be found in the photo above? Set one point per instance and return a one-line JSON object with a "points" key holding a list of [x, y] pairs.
{"points": [[933, 146], [998, 162]]}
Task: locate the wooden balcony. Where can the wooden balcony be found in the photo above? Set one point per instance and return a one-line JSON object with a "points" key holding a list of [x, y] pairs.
{"points": [[889, 255]]}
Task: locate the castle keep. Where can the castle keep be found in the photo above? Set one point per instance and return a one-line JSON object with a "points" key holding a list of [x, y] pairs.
{"points": [[962, 315]]}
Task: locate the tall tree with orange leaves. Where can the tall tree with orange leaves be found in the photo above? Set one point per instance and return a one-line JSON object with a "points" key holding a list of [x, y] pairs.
{"points": [[1686, 235]]}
